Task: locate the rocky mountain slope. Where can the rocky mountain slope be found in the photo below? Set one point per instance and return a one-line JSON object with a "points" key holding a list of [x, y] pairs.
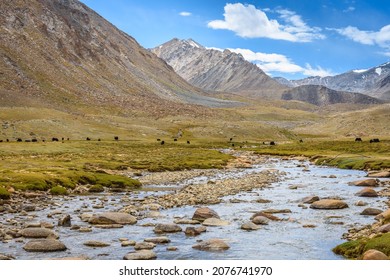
{"points": [[216, 70], [60, 54], [374, 82], [322, 96]]}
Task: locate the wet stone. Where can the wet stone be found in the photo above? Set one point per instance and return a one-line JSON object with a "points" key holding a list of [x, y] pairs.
{"points": [[167, 228], [214, 222], [64, 221], [158, 240], [250, 226], [37, 233], [141, 255], [44, 245], [211, 245], [204, 213], [95, 243], [371, 212], [144, 246]]}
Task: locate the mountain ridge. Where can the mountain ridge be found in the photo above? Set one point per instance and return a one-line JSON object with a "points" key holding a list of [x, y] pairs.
{"points": [[216, 70], [374, 82], [63, 55]]}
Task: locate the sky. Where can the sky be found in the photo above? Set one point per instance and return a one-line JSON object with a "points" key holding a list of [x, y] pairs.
{"points": [[291, 39]]}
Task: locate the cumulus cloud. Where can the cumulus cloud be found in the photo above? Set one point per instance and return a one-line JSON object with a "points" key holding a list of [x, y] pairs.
{"points": [[185, 14], [380, 38], [249, 22], [270, 63]]}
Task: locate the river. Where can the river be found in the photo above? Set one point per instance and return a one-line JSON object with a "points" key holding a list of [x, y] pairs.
{"points": [[304, 233]]}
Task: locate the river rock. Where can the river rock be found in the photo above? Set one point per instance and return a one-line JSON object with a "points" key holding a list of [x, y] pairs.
{"points": [[367, 192], [211, 245], [268, 216], [214, 222], [37, 233], [95, 243], [381, 174], [167, 228], [112, 218], [141, 255], [250, 226], [262, 200], [194, 231], [6, 257], [64, 221], [127, 243], [360, 203], [29, 208], [204, 213], [384, 228], [371, 212], [374, 255], [260, 220], [365, 183], [328, 204], [186, 222], [44, 245], [158, 240], [385, 216], [276, 211], [310, 199], [144, 246]]}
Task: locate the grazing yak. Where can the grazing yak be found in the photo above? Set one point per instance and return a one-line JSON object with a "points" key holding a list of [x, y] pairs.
{"points": [[358, 139], [162, 142], [116, 138], [88, 139], [54, 139], [272, 143], [375, 140]]}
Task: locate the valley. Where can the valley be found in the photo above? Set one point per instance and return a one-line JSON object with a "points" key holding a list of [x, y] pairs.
{"points": [[88, 116]]}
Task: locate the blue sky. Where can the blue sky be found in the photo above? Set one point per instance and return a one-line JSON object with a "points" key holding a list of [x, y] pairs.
{"points": [[292, 39]]}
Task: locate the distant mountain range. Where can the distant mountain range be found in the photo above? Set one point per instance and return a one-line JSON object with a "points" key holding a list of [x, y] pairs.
{"points": [[215, 70], [374, 82], [225, 71]]}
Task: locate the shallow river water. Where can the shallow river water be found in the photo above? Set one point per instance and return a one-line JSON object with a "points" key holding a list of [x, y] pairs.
{"points": [[303, 234]]}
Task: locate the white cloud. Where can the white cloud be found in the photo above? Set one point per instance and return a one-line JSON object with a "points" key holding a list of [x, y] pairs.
{"points": [[249, 22], [185, 14], [380, 38], [349, 9], [273, 62]]}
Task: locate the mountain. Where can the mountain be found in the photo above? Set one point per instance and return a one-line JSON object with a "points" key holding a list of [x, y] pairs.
{"points": [[216, 70], [60, 54], [374, 82], [322, 96]]}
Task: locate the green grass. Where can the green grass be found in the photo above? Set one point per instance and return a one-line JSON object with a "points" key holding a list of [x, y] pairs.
{"points": [[58, 190], [341, 153], [42, 166], [355, 249], [4, 194]]}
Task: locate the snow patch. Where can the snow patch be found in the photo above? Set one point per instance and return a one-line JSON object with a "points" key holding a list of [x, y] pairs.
{"points": [[378, 71], [193, 44], [359, 71]]}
